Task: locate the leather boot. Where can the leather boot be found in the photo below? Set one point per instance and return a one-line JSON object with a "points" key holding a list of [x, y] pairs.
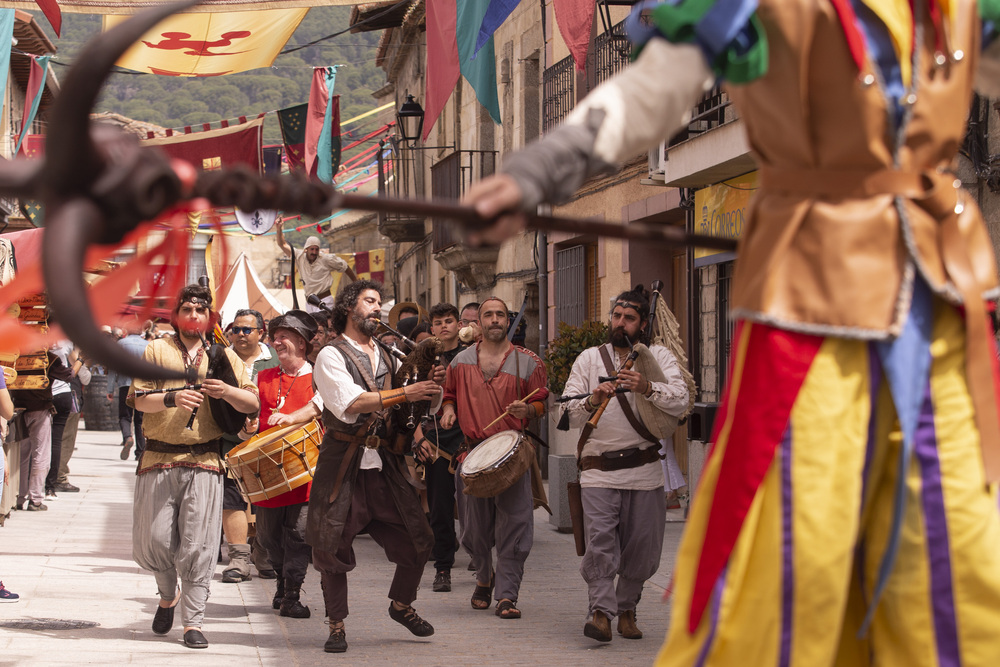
{"points": [[279, 594], [239, 564], [626, 625], [598, 627], [290, 605]]}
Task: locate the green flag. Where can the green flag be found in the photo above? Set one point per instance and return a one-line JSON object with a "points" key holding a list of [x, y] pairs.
{"points": [[480, 70]]}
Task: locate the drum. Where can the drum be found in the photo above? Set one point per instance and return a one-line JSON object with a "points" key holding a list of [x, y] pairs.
{"points": [[276, 461], [496, 463]]}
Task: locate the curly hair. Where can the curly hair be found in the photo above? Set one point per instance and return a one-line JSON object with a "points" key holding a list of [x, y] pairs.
{"points": [[348, 300]]}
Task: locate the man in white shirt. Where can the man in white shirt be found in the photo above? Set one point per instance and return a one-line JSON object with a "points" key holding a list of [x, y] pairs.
{"points": [[361, 480], [313, 267], [622, 479]]}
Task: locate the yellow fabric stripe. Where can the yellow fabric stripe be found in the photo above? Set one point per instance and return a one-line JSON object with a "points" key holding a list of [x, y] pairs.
{"points": [[898, 20]]}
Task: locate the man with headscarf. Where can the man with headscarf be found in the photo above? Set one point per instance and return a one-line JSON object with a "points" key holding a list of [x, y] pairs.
{"points": [[313, 267]]}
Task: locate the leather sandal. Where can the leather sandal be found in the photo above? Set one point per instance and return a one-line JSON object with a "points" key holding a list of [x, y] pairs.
{"points": [[506, 609], [482, 596]]}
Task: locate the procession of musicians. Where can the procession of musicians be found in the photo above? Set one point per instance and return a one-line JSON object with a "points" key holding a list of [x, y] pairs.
{"points": [[424, 444]]}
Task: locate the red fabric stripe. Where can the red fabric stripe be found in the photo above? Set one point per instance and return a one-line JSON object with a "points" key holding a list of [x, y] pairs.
{"points": [[855, 40], [442, 69], [224, 123], [775, 365]]}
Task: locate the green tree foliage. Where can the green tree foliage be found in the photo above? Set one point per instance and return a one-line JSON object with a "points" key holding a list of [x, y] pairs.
{"points": [[179, 101], [567, 346]]}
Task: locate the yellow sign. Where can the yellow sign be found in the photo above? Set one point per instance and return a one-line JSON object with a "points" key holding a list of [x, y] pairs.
{"points": [[721, 210]]}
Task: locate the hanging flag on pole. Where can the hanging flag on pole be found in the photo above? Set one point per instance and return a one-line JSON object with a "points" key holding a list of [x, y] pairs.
{"points": [[443, 68], [576, 21], [210, 44], [452, 31], [33, 96], [322, 134], [51, 10], [293, 134], [496, 13], [367, 265], [6, 37]]}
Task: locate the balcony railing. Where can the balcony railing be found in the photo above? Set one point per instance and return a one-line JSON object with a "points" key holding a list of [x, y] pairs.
{"points": [[714, 110], [612, 50], [450, 177], [399, 177], [557, 93]]}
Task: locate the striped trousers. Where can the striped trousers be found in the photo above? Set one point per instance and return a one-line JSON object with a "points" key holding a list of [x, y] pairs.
{"points": [[851, 467]]}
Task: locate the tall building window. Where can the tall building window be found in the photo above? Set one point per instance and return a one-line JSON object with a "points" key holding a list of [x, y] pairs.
{"points": [[578, 293]]}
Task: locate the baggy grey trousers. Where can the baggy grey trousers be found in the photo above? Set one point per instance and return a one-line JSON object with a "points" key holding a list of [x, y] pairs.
{"points": [[505, 521], [624, 531], [176, 523]]}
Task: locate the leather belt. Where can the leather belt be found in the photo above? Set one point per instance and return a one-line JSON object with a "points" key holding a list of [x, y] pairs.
{"points": [[161, 447], [366, 441], [938, 193], [621, 460], [325, 293]]}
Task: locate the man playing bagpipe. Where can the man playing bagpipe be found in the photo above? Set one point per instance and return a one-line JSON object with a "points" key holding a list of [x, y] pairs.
{"points": [[177, 514]]}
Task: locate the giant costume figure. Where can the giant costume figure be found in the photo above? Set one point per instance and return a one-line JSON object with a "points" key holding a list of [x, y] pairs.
{"points": [[844, 515]]}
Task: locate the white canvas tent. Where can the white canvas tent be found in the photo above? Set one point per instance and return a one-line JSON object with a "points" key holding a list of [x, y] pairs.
{"points": [[242, 288]]}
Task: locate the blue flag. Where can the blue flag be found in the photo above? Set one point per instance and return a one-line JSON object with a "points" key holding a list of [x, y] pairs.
{"points": [[496, 13]]}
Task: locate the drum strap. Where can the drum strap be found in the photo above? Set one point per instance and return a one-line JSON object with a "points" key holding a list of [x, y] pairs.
{"points": [[623, 402]]}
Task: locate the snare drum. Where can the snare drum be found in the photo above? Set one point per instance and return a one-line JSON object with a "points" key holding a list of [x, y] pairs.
{"points": [[496, 463], [276, 461]]}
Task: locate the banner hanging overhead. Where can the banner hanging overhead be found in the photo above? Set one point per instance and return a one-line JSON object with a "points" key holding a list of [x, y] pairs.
{"points": [[207, 6], [204, 45], [214, 149]]}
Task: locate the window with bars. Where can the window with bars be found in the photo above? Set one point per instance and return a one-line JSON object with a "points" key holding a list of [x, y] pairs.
{"points": [[578, 293]]}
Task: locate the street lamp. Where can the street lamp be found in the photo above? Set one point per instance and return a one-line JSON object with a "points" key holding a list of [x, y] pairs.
{"points": [[410, 120]]}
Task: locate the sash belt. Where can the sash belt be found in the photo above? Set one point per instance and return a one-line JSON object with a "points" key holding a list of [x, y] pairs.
{"points": [[938, 193]]}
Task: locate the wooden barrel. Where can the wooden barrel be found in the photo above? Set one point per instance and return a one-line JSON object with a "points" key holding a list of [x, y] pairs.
{"points": [[99, 414]]}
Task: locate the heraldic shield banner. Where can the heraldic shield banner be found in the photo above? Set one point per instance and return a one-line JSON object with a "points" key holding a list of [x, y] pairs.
{"points": [[203, 45]]}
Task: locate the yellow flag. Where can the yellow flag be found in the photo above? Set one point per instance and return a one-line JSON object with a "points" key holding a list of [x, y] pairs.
{"points": [[210, 44]]}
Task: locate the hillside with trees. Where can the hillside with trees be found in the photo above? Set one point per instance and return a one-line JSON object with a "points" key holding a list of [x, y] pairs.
{"points": [[178, 101]]}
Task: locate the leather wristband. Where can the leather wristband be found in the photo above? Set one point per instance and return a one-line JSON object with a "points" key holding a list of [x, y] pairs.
{"points": [[170, 399], [391, 397]]}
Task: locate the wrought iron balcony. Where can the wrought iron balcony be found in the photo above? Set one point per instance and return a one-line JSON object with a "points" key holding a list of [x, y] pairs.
{"points": [[557, 93], [449, 179], [400, 176]]}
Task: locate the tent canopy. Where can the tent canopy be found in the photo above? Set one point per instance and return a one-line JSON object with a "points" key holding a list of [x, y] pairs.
{"points": [[242, 288]]}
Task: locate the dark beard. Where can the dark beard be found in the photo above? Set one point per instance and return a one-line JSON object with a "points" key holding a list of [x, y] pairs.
{"points": [[366, 325], [489, 334], [618, 338]]}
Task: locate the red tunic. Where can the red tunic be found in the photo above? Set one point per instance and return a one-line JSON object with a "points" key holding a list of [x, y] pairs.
{"points": [[479, 401], [297, 391]]}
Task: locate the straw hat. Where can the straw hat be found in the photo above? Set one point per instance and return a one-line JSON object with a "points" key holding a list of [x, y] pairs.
{"points": [[394, 313]]}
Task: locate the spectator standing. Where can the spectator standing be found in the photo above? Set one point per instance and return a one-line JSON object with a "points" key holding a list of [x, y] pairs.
{"points": [[247, 330], [37, 416], [436, 447], [118, 386], [81, 378]]}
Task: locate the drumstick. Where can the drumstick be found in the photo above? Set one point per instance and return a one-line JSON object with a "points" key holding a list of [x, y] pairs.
{"points": [[507, 412]]}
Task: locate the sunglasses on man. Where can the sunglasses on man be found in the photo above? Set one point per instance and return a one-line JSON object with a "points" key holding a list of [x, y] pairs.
{"points": [[246, 331]]}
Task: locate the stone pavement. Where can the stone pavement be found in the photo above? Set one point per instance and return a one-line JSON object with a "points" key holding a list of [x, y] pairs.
{"points": [[84, 601]]}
